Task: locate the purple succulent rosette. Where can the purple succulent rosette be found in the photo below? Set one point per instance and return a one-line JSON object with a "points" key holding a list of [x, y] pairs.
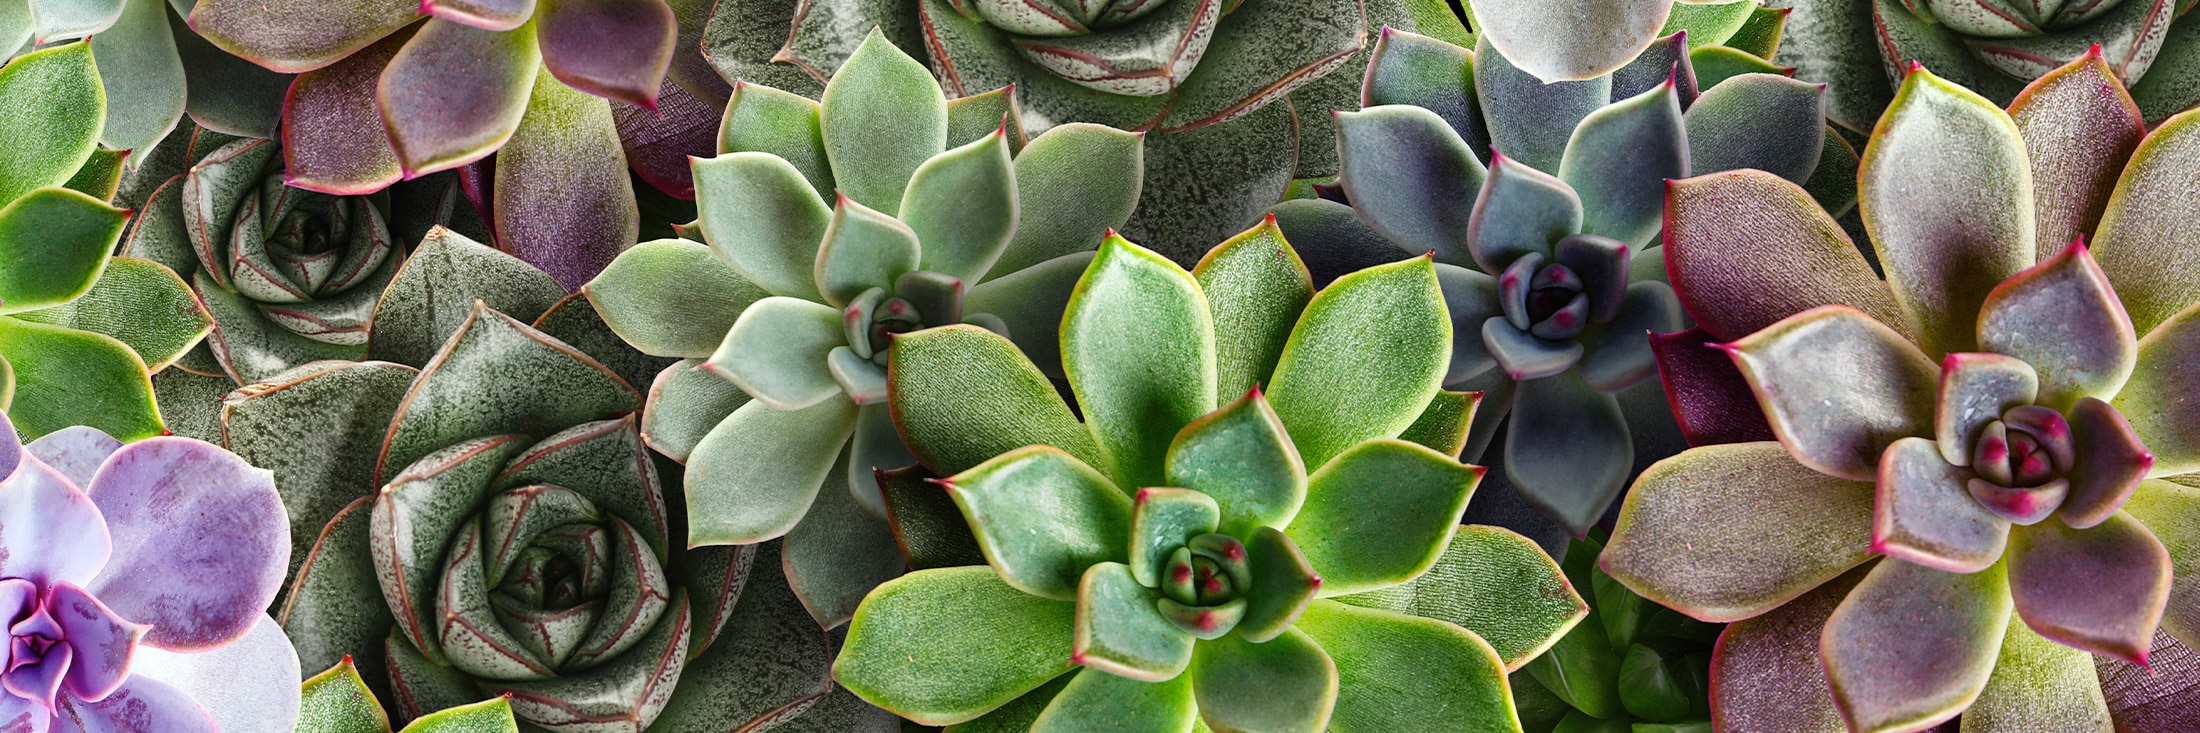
{"points": [[140, 596], [1946, 487]]}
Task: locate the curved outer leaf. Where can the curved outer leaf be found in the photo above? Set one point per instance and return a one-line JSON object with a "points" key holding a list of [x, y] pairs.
{"points": [[334, 608], [914, 632], [1287, 684], [1073, 184], [883, 117], [2080, 127], [56, 110], [1912, 646], [2164, 378], [334, 140], [863, 249], [1098, 700], [299, 36], [1400, 672], [685, 403], [1619, 159], [1495, 583], [413, 518], [962, 205], [1763, 121], [1945, 188], [2062, 317], [1263, 53], [762, 119], [1838, 425], [1380, 514], [1043, 518], [1406, 170], [2100, 589], [1746, 248], [962, 395], [1698, 533], [769, 663], [142, 73], [1975, 389], [1256, 287], [456, 93], [1030, 302], [437, 289], [68, 234], [1571, 39], [248, 99], [200, 537], [2146, 219], [1120, 629], [616, 49], [563, 199], [2039, 685], [1924, 512], [759, 213], [671, 297], [2171, 512], [1568, 448], [1430, 73], [64, 377], [753, 476], [1367, 355], [1138, 346], [1766, 673], [1528, 119]]}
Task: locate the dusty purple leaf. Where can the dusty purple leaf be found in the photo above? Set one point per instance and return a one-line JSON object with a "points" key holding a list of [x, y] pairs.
{"points": [[1709, 397], [201, 541], [1912, 646], [564, 202], [1766, 674], [75, 451], [334, 140], [2062, 317], [2110, 463], [1925, 514], [1838, 387], [298, 35], [617, 49], [658, 142], [101, 640], [1747, 248], [492, 15], [49, 530], [1975, 389], [2100, 589], [143, 705], [455, 93], [2079, 126]]}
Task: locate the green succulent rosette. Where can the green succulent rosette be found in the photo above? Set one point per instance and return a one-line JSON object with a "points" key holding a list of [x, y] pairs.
{"points": [[80, 331], [1963, 497], [1554, 274], [1860, 48], [784, 322], [1169, 561], [1630, 665]]}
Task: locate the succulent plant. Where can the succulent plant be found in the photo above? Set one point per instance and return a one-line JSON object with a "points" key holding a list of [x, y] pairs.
{"points": [[1860, 48], [1631, 665], [1905, 510], [1550, 280], [1181, 551], [1578, 40], [78, 329], [784, 322], [339, 700], [140, 595], [382, 95]]}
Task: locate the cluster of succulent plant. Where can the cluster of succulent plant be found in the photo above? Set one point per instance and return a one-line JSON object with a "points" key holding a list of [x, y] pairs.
{"points": [[1552, 282], [1890, 515], [1630, 665], [154, 68]]}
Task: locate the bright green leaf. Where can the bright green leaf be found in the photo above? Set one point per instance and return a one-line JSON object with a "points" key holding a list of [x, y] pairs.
{"points": [[948, 645], [68, 235], [1042, 517], [55, 109], [1138, 346], [1380, 514], [1365, 358], [883, 116]]}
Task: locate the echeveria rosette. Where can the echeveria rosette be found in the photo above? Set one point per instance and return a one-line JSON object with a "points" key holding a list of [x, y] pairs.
{"points": [[786, 320], [1552, 281], [1233, 586], [1994, 47], [2019, 473], [1576, 40], [140, 595], [80, 330], [290, 275], [383, 95]]}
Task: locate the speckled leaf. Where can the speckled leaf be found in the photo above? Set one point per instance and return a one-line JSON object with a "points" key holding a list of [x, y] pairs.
{"points": [[1619, 159], [1241, 457], [2171, 512], [1760, 34], [1708, 22], [2039, 685], [760, 214], [1285, 685], [248, 99], [671, 297], [1405, 673], [2080, 126], [1138, 346], [1444, 424], [139, 303], [1528, 119], [563, 199], [299, 36], [335, 609], [489, 380], [1905, 37], [436, 290], [914, 632], [1944, 251], [1693, 534], [1408, 172], [338, 701], [64, 230], [1493, 582], [2145, 220], [487, 716], [1569, 40], [755, 474], [333, 136], [65, 377], [1042, 517], [1017, 715], [1263, 51], [635, 684], [410, 524], [2172, 83], [1568, 449], [1912, 646], [2163, 379], [1766, 672], [1097, 700], [1838, 426], [57, 110], [1255, 287], [2100, 589], [962, 205], [883, 117], [1834, 44], [142, 75], [1520, 210], [978, 115], [1073, 184], [2063, 318], [1183, 210], [770, 663], [1762, 121], [616, 49], [962, 395], [1380, 514], [456, 93], [1747, 248], [1367, 355], [1429, 73], [685, 402]]}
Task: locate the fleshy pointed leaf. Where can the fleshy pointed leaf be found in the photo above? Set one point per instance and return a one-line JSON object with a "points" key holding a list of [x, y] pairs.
{"points": [[1569, 40], [2168, 511], [1737, 278], [1762, 121], [1162, 520], [883, 117], [1138, 345], [1912, 646], [671, 297], [1287, 685], [2100, 589], [65, 377], [1520, 210], [1405, 170], [2063, 318], [143, 77], [1255, 287], [962, 206], [1380, 514], [68, 233], [1042, 518], [1528, 119], [1367, 355], [915, 631], [1975, 389], [1100, 700], [563, 199], [765, 120], [1568, 449], [1838, 425], [1925, 514], [1766, 669], [685, 403], [1073, 184], [863, 249], [1120, 631], [58, 110], [436, 291], [2038, 683], [2080, 127], [456, 93], [962, 395], [2140, 229], [617, 49], [1408, 673], [1430, 73], [776, 351], [334, 140], [303, 36], [2164, 377], [1619, 159], [1242, 459], [1283, 583], [1263, 53], [753, 476], [760, 214], [1495, 583]]}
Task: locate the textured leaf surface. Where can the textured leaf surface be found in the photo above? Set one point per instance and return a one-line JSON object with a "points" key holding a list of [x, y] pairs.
{"points": [[456, 93], [563, 199], [2100, 589], [671, 297], [1367, 355], [1838, 426], [777, 351], [914, 632], [436, 291], [1240, 457], [1398, 672], [1406, 170], [759, 213], [1766, 671], [67, 232], [1138, 346], [616, 49], [2039, 685], [1255, 287], [140, 303], [1746, 249], [335, 609], [1042, 517], [2144, 220], [1528, 119], [333, 137], [963, 206], [1287, 684], [1097, 700], [753, 476], [65, 377], [143, 77], [1493, 582], [1912, 646], [2080, 126], [1120, 631], [2163, 378], [1073, 184], [883, 117], [1768, 122], [936, 375], [1619, 158], [1924, 513], [299, 36], [2063, 318], [56, 112], [1380, 514], [1576, 39], [769, 662]]}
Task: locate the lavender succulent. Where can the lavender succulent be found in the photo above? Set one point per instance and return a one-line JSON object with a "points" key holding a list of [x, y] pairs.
{"points": [[1944, 538]]}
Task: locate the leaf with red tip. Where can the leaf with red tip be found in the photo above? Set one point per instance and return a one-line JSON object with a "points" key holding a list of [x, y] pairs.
{"points": [[1043, 518], [2111, 462], [616, 49], [456, 93], [659, 142], [1528, 119], [1912, 646], [1975, 389], [1747, 248], [1572, 39], [948, 645], [1240, 458], [1946, 246], [1138, 345], [2100, 589], [2164, 380], [1121, 631], [1619, 158], [1925, 514], [2062, 317], [2080, 127], [1838, 387], [2144, 236], [2171, 512], [1256, 288], [299, 35], [1380, 514], [334, 139], [1766, 673], [962, 395], [1728, 532], [1429, 73], [1405, 170], [564, 202], [1710, 399], [883, 116]]}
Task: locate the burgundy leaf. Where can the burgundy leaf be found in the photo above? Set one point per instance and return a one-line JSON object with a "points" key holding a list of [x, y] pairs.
{"points": [[618, 49], [334, 140], [1710, 398]]}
